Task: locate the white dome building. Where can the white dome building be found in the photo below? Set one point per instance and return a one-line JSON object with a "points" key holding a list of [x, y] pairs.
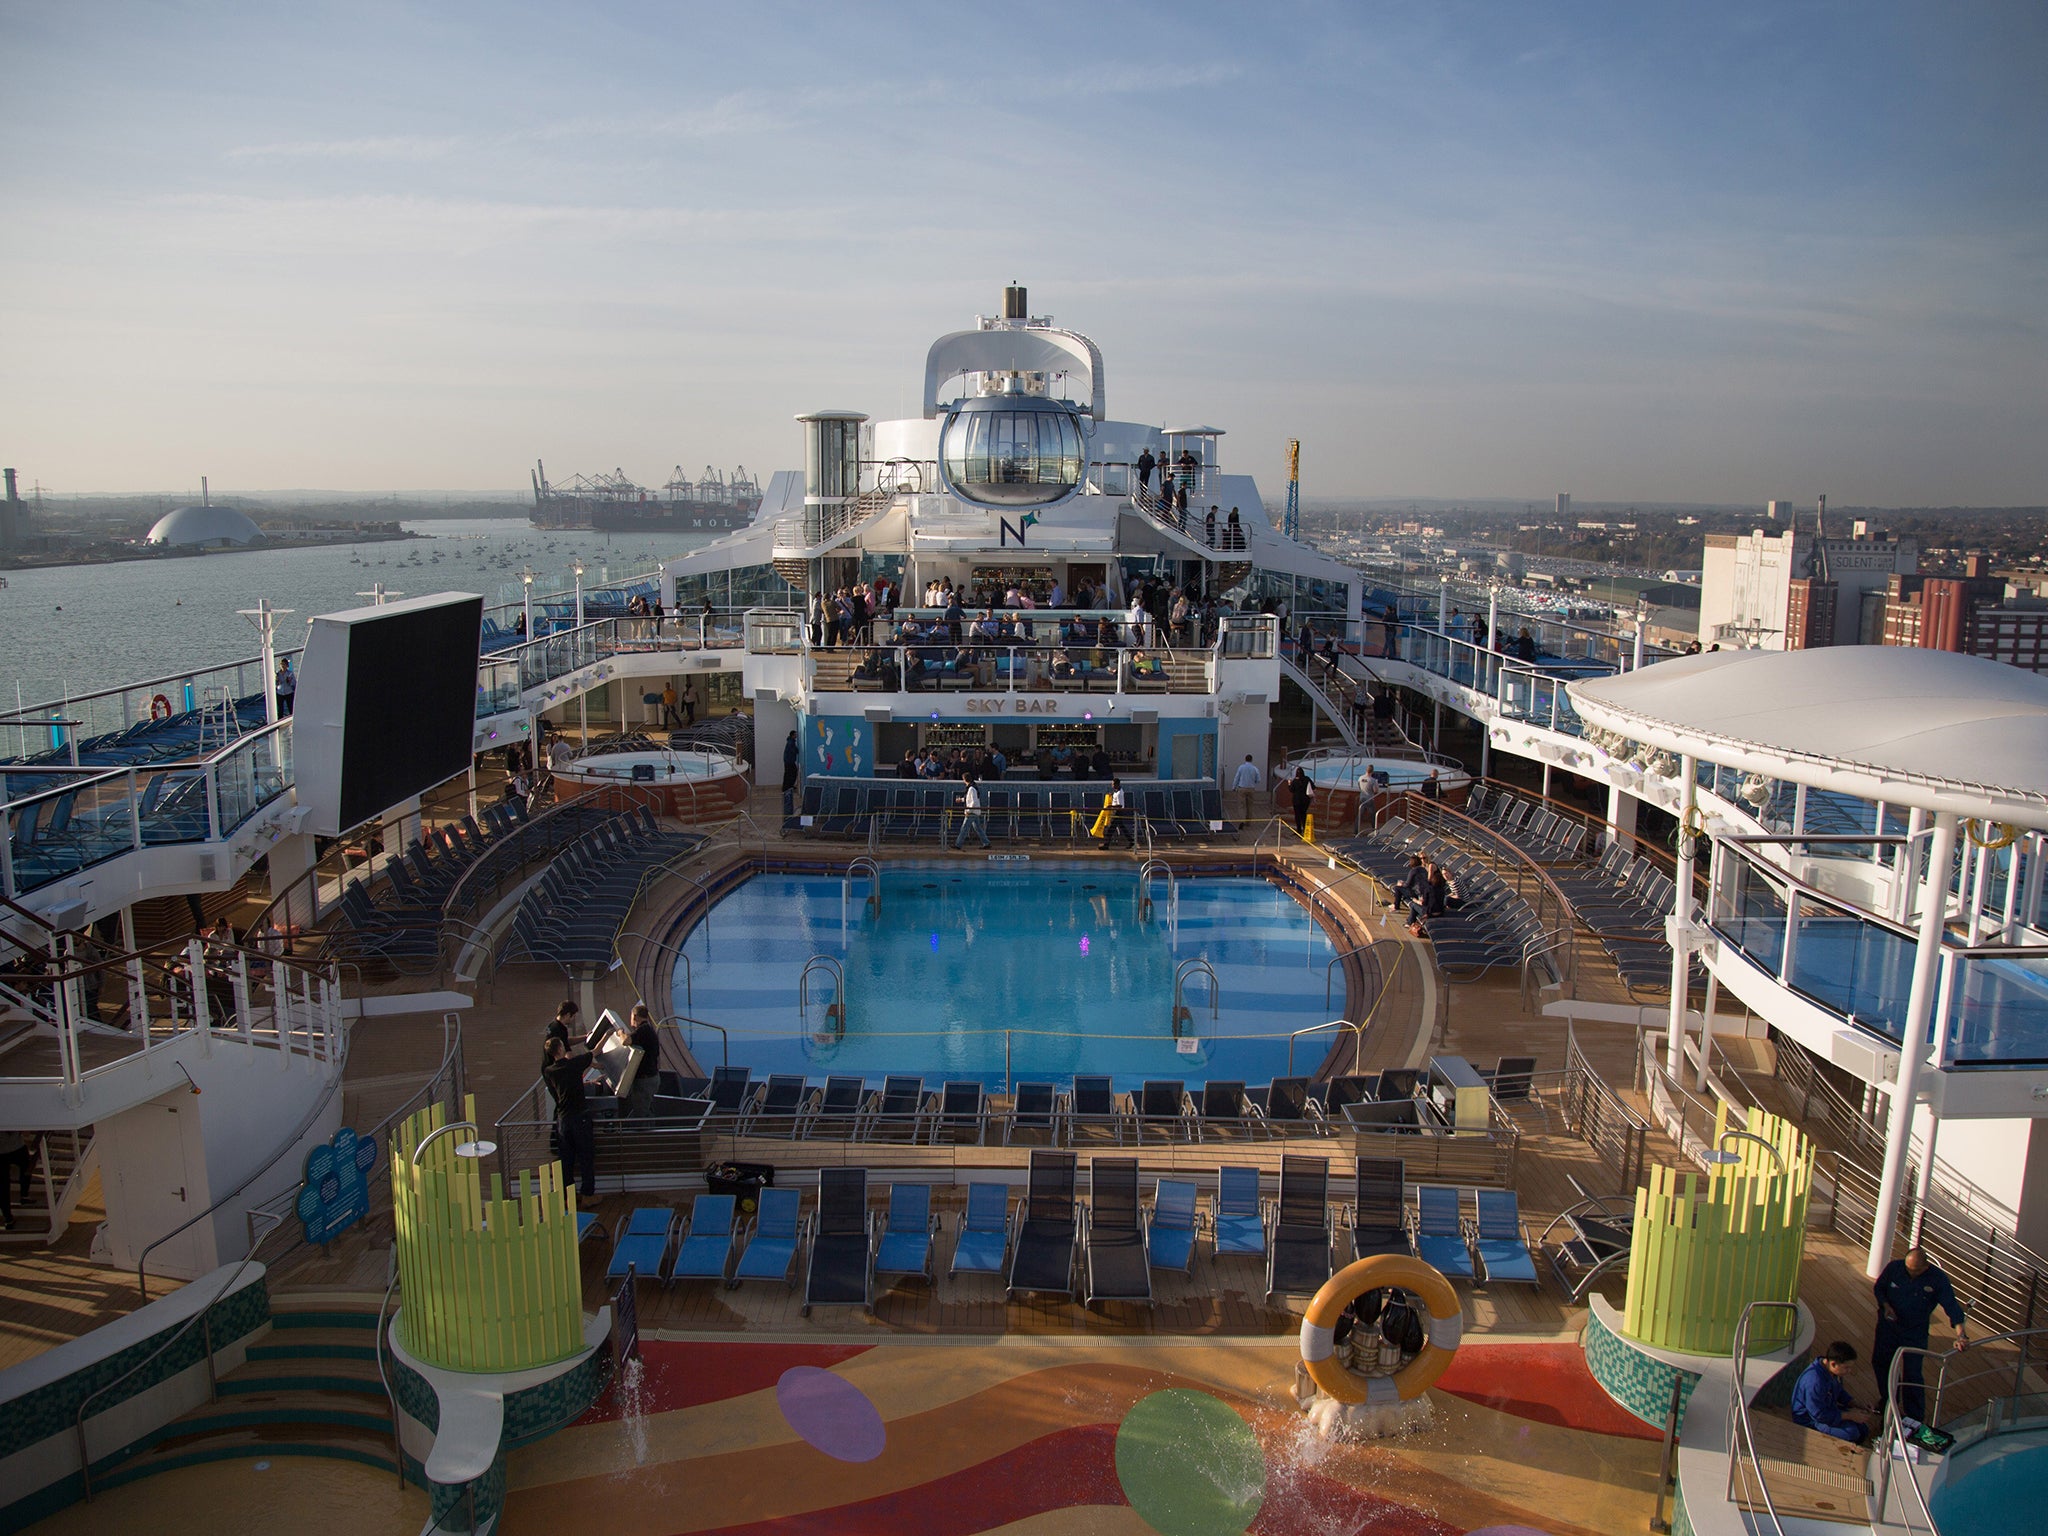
{"points": [[204, 528]]}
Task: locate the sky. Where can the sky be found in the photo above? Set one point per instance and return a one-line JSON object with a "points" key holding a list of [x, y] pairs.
{"points": [[1641, 253]]}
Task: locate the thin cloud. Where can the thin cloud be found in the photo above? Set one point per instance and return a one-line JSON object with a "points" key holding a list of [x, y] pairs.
{"points": [[402, 146]]}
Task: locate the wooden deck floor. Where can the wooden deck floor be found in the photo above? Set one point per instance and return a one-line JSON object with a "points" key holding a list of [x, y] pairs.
{"points": [[47, 1295]]}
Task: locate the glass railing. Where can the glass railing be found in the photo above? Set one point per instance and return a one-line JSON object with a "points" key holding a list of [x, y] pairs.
{"points": [[1997, 1008], [251, 774], [504, 675], [88, 819], [1859, 966], [977, 667], [156, 717]]}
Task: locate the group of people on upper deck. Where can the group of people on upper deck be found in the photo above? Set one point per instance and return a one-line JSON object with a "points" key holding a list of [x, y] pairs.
{"points": [[1469, 628]]}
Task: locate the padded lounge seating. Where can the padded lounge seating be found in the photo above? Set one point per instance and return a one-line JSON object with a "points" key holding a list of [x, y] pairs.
{"points": [[982, 1245], [1170, 1235], [1238, 1224], [643, 1245], [773, 1238], [1501, 1241], [1043, 1258], [839, 1273], [1440, 1238], [1115, 1234], [705, 1252], [905, 1233]]}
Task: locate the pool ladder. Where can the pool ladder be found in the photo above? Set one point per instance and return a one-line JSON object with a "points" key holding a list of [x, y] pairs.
{"points": [[835, 1011], [1147, 906], [1187, 970]]}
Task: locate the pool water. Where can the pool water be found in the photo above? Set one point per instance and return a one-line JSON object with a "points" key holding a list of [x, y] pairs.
{"points": [[1994, 1485], [1049, 960]]}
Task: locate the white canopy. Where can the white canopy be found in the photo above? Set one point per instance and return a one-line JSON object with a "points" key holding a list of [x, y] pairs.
{"points": [[1907, 726]]}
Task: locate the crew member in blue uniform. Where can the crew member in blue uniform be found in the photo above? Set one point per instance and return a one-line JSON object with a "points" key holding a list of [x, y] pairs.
{"points": [[1821, 1402], [1907, 1293]]}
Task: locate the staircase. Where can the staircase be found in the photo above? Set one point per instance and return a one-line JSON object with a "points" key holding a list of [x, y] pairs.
{"points": [[1339, 715], [308, 1388], [65, 1165]]}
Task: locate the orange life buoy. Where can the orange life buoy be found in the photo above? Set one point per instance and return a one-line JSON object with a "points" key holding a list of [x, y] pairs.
{"points": [[1319, 1329], [159, 708]]}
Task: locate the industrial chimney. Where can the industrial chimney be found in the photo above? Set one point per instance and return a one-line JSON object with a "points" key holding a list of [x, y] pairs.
{"points": [[1014, 306], [205, 497]]}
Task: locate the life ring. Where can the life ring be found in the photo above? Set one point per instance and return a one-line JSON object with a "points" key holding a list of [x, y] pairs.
{"points": [[159, 708], [1319, 1330], [1978, 832]]}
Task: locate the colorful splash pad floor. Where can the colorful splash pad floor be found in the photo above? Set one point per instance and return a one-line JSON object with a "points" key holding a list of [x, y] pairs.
{"points": [[1027, 1436], [1042, 1435]]}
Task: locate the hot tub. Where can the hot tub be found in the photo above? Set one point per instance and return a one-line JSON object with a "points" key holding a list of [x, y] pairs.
{"points": [[688, 784]]}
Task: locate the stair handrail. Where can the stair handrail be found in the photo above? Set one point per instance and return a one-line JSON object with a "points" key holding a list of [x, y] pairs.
{"points": [[306, 1123], [1742, 1453], [383, 1376], [203, 1319], [831, 967], [1194, 965]]}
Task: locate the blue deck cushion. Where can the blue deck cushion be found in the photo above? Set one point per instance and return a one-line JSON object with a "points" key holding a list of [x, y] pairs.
{"points": [[906, 1245], [777, 1233], [706, 1247], [984, 1239], [1440, 1231], [1240, 1225], [1503, 1254], [1170, 1242], [644, 1243]]}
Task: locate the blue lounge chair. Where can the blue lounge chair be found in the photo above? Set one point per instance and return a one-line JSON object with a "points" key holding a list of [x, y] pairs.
{"points": [[1440, 1231], [1239, 1223], [903, 1242], [644, 1243], [983, 1244], [1170, 1239], [773, 1238], [587, 1227], [1504, 1250], [705, 1252]]}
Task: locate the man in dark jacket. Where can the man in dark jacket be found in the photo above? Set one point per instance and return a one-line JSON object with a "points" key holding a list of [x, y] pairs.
{"points": [[1908, 1291], [792, 754], [563, 1063]]}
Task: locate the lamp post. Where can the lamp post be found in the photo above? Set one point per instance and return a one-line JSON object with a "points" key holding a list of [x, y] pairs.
{"points": [[1642, 621], [526, 580], [577, 567]]}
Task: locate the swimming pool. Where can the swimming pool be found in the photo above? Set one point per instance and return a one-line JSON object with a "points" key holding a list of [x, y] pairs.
{"points": [[1991, 1485], [1049, 962]]}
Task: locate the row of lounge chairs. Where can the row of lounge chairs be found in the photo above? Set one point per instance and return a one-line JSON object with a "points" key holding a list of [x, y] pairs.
{"points": [[1493, 925], [903, 1109], [1052, 1243], [1546, 835], [1624, 898], [572, 914], [891, 811]]}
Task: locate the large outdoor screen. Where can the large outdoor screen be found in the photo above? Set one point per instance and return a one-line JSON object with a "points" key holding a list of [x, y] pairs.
{"points": [[386, 706]]}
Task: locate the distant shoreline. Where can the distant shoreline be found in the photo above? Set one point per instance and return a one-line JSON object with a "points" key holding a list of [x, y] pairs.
{"points": [[127, 557]]}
